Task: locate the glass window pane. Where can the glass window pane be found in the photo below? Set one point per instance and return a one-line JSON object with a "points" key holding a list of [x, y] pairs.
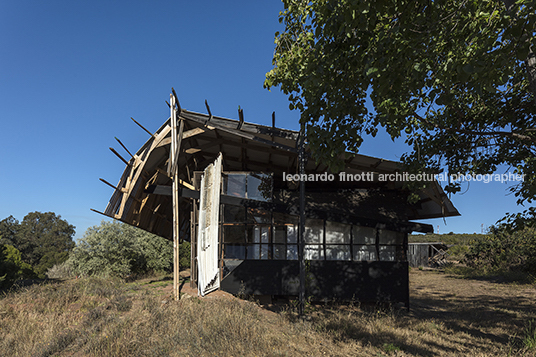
{"points": [[235, 251], [292, 252], [285, 224], [387, 253], [338, 252], [280, 234], [314, 231], [253, 234], [234, 185], [313, 252], [259, 216], [234, 214], [265, 251], [292, 233], [254, 251], [364, 235], [234, 233], [265, 234], [259, 187], [364, 252], [337, 233], [281, 218], [279, 251], [391, 237]]}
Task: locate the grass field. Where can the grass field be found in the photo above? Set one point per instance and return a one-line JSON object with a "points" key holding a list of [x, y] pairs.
{"points": [[449, 316]]}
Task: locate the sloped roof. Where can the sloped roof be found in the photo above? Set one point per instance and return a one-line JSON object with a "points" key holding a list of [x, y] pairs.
{"points": [[245, 147]]}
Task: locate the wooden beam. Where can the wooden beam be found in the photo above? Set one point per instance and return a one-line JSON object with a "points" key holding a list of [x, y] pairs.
{"points": [[112, 186], [174, 167], [141, 126], [186, 135], [176, 100], [240, 118], [240, 133], [124, 147], [209, 112], [192, 150], [120, 157], [175, 148]]}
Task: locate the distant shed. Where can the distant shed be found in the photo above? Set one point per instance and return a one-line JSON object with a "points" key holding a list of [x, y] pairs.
{"points": [[426, 254]]}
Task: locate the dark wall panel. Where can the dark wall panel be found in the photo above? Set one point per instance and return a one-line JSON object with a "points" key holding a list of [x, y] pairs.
{"points": [[333, 280]]}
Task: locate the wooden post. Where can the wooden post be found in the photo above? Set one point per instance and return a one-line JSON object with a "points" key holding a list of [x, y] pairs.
{"points": [[175, 198]]}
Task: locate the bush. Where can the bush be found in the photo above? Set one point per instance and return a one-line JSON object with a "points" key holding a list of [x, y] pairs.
{"points": [[502, 251], [117, 249], [12, 268], [184, 255]]}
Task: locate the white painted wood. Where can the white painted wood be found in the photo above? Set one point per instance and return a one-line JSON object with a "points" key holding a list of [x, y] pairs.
{"points": [[208, 230]]}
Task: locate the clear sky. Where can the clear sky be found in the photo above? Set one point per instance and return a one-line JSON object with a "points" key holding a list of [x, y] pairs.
{"points": [[72, 73]]}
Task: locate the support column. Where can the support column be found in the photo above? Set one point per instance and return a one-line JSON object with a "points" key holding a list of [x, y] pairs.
{"points": [[176, 136], [301, 232]]}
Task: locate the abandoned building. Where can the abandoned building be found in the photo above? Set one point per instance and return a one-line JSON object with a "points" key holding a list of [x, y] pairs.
{"points": [[236, 187]]}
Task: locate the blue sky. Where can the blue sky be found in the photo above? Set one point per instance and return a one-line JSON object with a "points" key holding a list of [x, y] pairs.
{"points": [[72, 74]]}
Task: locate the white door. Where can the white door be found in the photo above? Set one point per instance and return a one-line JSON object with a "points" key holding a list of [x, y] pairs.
{"points": [[207, 237]]}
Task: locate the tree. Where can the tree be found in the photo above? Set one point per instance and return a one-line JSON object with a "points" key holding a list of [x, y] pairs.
{"points": [[8, 230], [44, 239], [457, 79]]}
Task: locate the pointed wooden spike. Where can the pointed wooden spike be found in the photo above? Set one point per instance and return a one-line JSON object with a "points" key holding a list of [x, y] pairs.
{"points": [[273, 119], [176, 99], [120, 157], [109, 184], [141, 126], [124, 147], [209, 112], [241, 118]]}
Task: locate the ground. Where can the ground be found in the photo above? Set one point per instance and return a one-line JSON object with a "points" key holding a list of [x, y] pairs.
{"points": [[464, 314], [449, 316]]}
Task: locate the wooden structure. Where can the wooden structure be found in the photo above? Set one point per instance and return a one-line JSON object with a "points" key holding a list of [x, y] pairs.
{"points": [[427, 254], [355, 227]]}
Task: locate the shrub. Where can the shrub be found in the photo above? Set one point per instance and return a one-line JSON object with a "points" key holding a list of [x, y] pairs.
{"points": [[184, 255], [12, 268], [117, 249], [504, 251]]}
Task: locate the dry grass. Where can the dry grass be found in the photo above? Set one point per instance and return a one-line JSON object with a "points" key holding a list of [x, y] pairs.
{"points": [[96, 317]]}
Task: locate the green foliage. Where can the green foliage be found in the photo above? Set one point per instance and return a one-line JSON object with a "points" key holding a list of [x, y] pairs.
{"points": [[529, 338], [502, 251], [456, 79], [42, 236], [43, 239], [184, 255], [454, 238], [8, 231], [117, 249], [12, 268]]}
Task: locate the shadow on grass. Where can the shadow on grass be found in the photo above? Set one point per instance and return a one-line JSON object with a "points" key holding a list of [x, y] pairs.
{"points": [[25, 283]]}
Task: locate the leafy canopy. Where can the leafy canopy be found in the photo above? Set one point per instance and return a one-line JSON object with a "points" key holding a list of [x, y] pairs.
{"points": [[456, 78], [43, 239]]}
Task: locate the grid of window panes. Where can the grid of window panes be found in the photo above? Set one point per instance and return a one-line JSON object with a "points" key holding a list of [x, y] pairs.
{"points": [[255, 186], [250, 233]]}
